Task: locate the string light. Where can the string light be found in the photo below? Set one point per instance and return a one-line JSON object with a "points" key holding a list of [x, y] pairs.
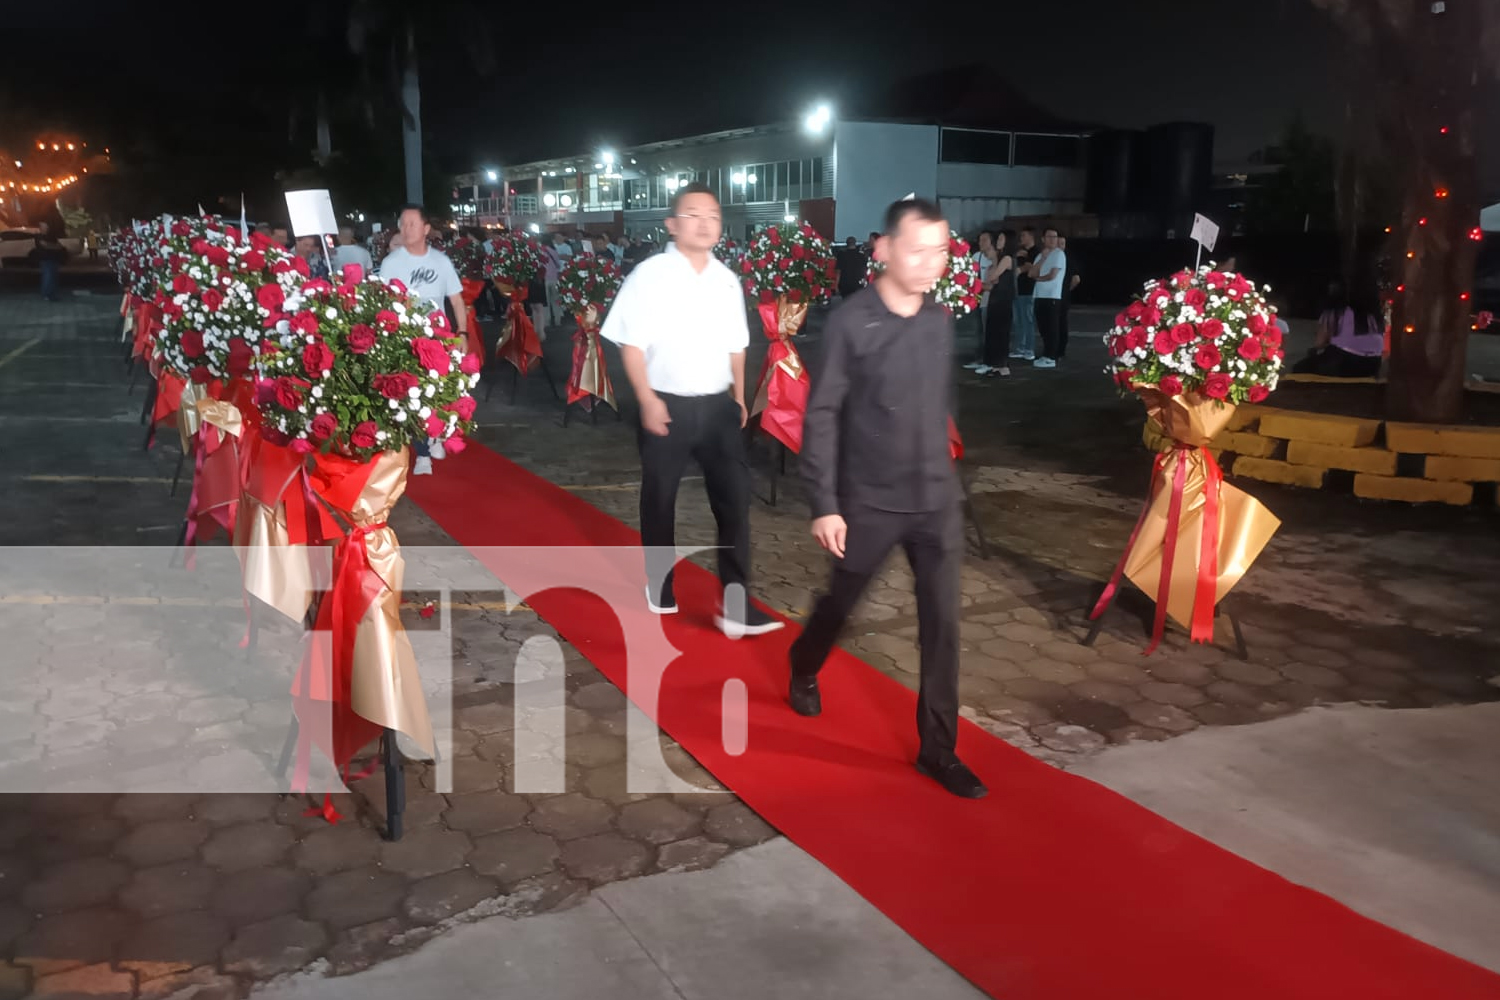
{"points": [[1387, 228], [1400, 288], [1440, 193], [1443, 130], [1422, 222], [1476, 234], [1411, 329], [1410, 254], [1464, 297]]}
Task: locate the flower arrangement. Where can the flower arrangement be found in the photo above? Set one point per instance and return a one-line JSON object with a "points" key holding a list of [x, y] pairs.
{"points": [[225, 293], [586, 281], [1205, 332], [514, 258], [130, 253], [788, 260], [468, 256], [728, 251], [959, 288], [360, 367]]}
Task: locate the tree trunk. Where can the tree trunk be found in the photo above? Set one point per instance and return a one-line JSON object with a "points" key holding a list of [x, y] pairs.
{"points": [[1432, 247], [411, 119]]}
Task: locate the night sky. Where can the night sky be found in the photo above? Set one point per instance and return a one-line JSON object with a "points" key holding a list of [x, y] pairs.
{"points": [[213, 83]]}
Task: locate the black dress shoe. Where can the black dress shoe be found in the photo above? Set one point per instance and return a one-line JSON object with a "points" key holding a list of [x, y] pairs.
{"points": [[954, 777], [804, 696]]}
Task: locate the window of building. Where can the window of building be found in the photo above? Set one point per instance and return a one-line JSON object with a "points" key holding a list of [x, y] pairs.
{"points": [[817, 180], [967, 145], [1048, 150]]}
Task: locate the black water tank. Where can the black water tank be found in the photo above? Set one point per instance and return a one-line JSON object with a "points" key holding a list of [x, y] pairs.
{"points": [[1114, 161], [1179, 166]]}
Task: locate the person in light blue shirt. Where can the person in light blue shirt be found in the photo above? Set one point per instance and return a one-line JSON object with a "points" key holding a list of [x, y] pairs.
{"points": [[1050, 269]]}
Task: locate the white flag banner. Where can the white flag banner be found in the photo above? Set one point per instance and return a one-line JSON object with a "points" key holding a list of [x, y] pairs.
{"points": [[1205, 231]]}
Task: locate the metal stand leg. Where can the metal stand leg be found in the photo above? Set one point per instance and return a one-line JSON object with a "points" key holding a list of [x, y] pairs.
{"points": [[551, 382], [1241, 650], [515, 384], [150, 401], [963, 478], [287, 749], [177, 473], [395, 785]]}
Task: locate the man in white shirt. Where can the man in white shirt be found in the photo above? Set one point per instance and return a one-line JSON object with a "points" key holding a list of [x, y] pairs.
{"points": [[680, 322], [1049, 270], [983, 258], [350, 252], [427, 274]]}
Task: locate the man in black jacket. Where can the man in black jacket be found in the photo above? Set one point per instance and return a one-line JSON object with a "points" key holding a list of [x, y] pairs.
{"points": [[876, 460]]}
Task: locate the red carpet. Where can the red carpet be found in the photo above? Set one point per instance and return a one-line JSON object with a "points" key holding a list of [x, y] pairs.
{"points": [[1053, 888]]}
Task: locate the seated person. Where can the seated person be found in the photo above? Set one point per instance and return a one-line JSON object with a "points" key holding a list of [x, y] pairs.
{"points": [[1351, 336]]}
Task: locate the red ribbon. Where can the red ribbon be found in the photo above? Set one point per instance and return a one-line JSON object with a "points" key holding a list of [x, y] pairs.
{"points": [[147, 322], [1205, 593], [216, 485], [785, 405], [523, 344], [581, 342], [471, 292]]}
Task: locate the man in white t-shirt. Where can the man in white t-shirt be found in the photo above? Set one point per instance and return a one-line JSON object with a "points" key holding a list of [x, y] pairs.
{"points": [[1050, 269], [680, 322], [350, 252], [427, 274]]}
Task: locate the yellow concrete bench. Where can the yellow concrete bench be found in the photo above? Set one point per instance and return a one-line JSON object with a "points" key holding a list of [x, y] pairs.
{"points": [[1439, 439], [1320, 428]]}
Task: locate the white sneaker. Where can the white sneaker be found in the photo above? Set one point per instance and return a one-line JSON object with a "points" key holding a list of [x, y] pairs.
{"points": [[422, 466], [983, 370], [974, 365], [1028, 356], [1017, 355], [1044, 363], [436, 450], [998, 372]]}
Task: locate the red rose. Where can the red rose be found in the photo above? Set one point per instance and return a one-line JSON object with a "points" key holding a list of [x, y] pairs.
{"points": [[389, 321], [1251, 349], [254, 261], [1163, 343], [305, 323], [1183, 334], [353, 274], [289, 392], [773, 236], [1272, 335], [432, 355], [1138, 338], [192, 344], [1216, 279], [745, 267], [471, 364], [240, 356], [1151, 316], [300, 265], [317, 285], [317, 359], [199, 246], [283, 266], [260, 241], [180, 228], [1207, 356], [270, 297], [463, 406], [201, 375], [1160, 299], [183, 284], [1134, 311], [767, 296], [785, 264], [1195, 297], [396, 386], [399, 287], [1211, 329], [1217, 386], [275, 436], [213, 299], [1257, 324], [302, 446], [1258, 393], [1118, 346], [323, 426], [363, 436], [217, 256], [361, 337], [1121, 319], [1171, 385], [454, 445], [1182, 279], [436, 425], [795, 295]]}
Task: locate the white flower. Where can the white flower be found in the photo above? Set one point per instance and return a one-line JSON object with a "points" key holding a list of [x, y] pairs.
{"points": [[425, 412], [282, 326], [414, 392], [394, 403], [400, 416], [431, 389], [415, 405], [317, 392], [380, 435], [473, 380]]}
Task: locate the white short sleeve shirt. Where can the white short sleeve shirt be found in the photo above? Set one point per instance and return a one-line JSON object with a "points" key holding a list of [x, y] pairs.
{"points": [[687, 322], [1046, 262], [430, 276]]}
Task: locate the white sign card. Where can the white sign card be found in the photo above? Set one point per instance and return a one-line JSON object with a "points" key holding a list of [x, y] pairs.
{"points": [[1205, 232], [311, 213]]}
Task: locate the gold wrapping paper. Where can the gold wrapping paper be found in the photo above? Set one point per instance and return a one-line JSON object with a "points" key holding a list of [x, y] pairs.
{"points": [[1245, 525], [590, 380], [385, 686], [188, 420], [788, 317], [276, 572]]}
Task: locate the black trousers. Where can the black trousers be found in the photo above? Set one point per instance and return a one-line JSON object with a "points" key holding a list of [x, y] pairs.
{"points": [[706, 430], [1048, 325], [1062, 326], [934, 547], [998, 319]]}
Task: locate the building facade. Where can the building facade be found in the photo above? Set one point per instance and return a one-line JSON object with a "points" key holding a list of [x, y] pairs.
{"points": [[840, 178]]}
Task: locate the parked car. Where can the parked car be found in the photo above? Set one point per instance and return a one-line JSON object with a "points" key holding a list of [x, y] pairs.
{"points": [[16, 246]]}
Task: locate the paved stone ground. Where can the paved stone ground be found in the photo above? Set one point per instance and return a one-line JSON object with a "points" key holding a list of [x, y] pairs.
{"points": [[137, 895]]}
